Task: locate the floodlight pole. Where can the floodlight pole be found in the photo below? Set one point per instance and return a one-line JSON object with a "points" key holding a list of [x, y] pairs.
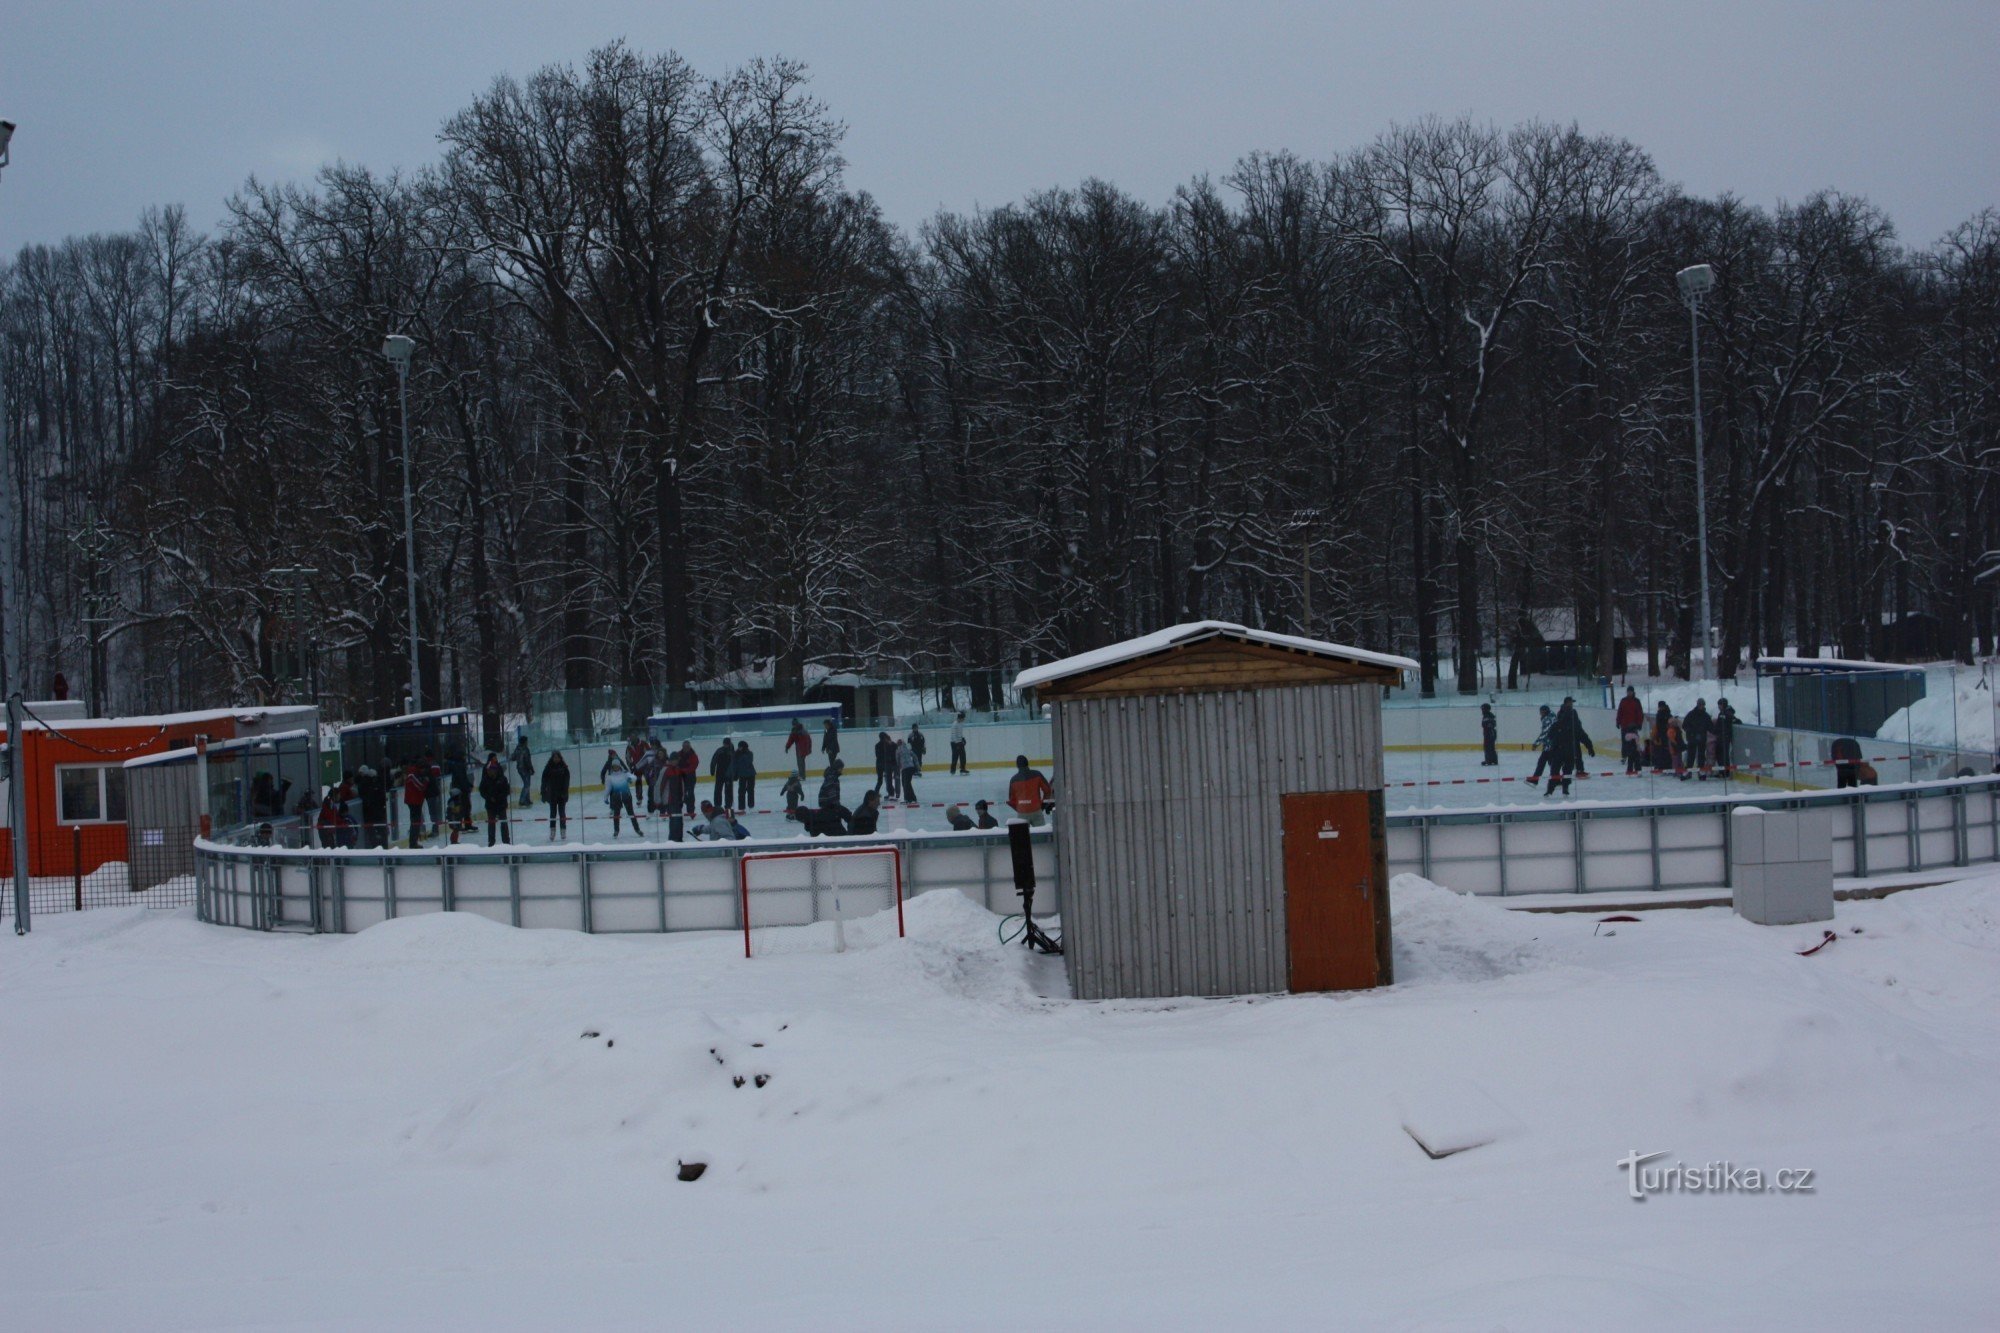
{"points": [[14, 659], [1695, 283], [397, 348]]}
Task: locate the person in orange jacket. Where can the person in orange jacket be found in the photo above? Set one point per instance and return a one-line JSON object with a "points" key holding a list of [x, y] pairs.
{"points": [[1029, 792]]}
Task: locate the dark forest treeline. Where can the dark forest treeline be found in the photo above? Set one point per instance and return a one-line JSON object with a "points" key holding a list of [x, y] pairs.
{"points": [[683, 401]]}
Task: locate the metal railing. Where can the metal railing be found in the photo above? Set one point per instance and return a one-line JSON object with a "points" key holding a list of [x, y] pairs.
{"points": [[599, 890], [1666, 845]]}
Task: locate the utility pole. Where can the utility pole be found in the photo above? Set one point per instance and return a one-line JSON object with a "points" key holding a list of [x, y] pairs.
{"points": [[16, 655], [398, 348], [1696, 282]]}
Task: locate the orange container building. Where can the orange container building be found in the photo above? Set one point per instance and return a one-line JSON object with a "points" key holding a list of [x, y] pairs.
{"points": [[76, 779]]}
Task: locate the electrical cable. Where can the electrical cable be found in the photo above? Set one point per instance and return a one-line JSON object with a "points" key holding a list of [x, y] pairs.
{"points": [[50, 729]]}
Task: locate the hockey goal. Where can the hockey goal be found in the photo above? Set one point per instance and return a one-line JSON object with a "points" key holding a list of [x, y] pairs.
{"points": [[820, 900]]}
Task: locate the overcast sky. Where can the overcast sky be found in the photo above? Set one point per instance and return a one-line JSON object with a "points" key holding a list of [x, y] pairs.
{"points": [[122, 105]]}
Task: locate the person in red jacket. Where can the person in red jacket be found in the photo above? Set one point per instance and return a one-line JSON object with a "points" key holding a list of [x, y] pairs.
{"points": [[800, 743], [1631, 722], [1028, 792], [688, 764], [414, 790]]}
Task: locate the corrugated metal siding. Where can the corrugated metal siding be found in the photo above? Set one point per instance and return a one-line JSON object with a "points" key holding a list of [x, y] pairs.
{"points": [[1172, 836]]}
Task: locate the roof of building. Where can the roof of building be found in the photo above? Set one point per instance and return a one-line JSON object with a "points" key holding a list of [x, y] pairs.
{"points": [[189, 753], [406, 720], [1181, 637], [163, 720], [1823, 665]]}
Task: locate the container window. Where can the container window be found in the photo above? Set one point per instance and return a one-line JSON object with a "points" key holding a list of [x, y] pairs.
{"points": [[90, 794]]}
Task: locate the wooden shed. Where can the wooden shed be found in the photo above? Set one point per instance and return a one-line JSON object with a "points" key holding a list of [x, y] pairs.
{"points": [[1219, 818]]}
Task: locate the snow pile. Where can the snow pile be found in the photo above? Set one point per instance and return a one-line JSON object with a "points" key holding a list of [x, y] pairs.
{"points": [[1445, 936], [444, 1122], [1956, 713]]}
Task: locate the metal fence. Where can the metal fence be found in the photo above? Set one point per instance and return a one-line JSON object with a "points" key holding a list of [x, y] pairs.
{"points": [[1686, 844], [601, 890], [77, 866]]}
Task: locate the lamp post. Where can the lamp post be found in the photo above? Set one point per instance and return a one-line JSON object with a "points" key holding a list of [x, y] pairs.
{"points": [[1696, 281], [16, 647], [397, 348]]}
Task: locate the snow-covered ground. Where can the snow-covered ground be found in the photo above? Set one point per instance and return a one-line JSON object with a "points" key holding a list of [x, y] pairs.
{"points": [[443, 1122]]}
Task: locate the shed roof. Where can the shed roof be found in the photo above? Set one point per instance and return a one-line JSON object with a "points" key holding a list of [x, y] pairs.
{"points": [[1211, 654], [1780, 666]]}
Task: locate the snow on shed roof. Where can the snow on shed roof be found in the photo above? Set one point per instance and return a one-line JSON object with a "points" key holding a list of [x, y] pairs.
{"points": [[164, 720], [1175, 636], [405, 719], [1783, 664], [188, 753]]}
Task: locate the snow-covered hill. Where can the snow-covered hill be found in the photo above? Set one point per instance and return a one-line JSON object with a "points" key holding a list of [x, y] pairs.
{"points": [[442, 1122]]}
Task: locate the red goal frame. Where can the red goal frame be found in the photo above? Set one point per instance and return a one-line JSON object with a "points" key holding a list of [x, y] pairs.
{"points": [[894, 852]]}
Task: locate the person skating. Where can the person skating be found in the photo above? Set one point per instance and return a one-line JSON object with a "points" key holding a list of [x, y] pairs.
{"points": [[1631, 721], [1663, 723], [617, 780], [799, 744], [1677, 747], [867, 816], [1489, 736], [267, 796], [716, 824], [793, 792], [958, 764], [689, 763], [434, 788], [824, 822], [498, 793], [829, 740], [722, 771], [1028, 792], [414, 790], [743, 768], [960, 822], [1725, 737], [985, 818], [1846, 755], [1695, 726], [906, 764], [635, 750], [918, 745], [458, 813], [373, 796], [524, 764], [829, 783], [1542, 744], [888, 777], [331, 823], [555, 791], [653, 779], [1567, 741]]}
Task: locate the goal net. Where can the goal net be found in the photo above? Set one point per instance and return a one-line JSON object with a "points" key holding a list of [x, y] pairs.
{"points": [[825, 900]]}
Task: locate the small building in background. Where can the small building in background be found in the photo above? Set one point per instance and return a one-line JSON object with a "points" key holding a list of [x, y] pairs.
{"points": [[390, 742], [1219, 821], [1843, 698], [76, 776]]}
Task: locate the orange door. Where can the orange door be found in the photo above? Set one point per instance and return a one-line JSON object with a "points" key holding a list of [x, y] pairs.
{"points": [[1330, 890]]}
